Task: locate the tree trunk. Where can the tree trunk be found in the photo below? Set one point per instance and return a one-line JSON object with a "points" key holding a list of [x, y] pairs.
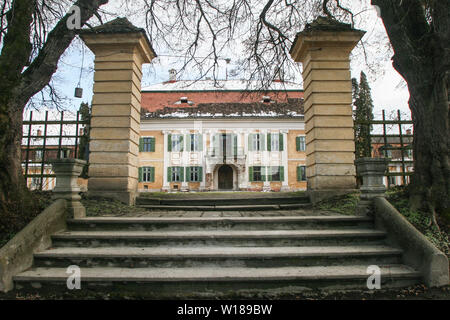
{"points": [[422, 57], [14, 194], [430, 184]]}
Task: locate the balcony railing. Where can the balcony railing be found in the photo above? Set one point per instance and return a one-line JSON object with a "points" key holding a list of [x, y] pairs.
{"points": [[232, 153]]}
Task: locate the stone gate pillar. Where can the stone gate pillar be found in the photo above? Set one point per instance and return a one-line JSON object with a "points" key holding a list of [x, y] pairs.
{"points": [[324, 48], [120, 50]]}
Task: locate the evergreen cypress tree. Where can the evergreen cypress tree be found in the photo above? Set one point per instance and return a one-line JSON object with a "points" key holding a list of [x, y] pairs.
{"points": [[363, 113]]}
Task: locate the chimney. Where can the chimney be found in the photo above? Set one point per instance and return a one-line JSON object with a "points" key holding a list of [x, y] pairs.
{"points": [[408, 131], [39, 132], [172, 75]]}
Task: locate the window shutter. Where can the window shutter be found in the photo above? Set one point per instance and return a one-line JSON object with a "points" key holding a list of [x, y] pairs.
{"points": [[281, 173], [181, 143], [250, 142], [188, 174], [152, 174], [169, 174], [152, 144], [200, 170], [188, 142], [250, 174], [262, 142], [281, 146], [169, 143], [200, 142], [297, 143], [141, 144], [182, 174], [269, 141], [235, 144], [269, 173], [299, 173], [140, 174]]}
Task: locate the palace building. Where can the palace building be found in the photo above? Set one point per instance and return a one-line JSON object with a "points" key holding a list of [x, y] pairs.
{"points": [[221, 135]]}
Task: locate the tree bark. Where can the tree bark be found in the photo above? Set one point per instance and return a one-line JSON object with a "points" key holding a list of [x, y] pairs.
{"points": [[422, 57]]}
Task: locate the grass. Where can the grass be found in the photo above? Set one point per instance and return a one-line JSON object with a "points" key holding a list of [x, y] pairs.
{"points": [[97, 206], [345, 204], [398, 197], [10, 225]]}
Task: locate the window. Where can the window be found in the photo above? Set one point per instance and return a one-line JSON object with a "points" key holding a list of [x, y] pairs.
{"points": [[175, 142], [147, 144], [39, 154], [301, 143], [256, 142], [175, 174], [301, 173], [387, 152], [195, 142], [409, 153], [392, 180], [256, 174], [194, 174], [147, 174], [266, 99], [275, 173], [275, 142], [35, 183], [64, 153]]}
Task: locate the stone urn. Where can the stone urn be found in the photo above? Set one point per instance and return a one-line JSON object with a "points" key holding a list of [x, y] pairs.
{"points": [[67, 172], [372, 171]]}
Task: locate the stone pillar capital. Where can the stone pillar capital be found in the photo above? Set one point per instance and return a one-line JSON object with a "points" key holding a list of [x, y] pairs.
{"points": [[324, 33]]}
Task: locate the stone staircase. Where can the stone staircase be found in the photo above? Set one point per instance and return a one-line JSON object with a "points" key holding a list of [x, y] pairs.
{"points": [[220, 251]]}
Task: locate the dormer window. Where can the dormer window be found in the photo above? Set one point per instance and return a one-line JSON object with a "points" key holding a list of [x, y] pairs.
{"points": [[266, 99], [184, 100]]}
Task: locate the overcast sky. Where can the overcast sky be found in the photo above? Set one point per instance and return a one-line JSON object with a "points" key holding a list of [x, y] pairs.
{"points": [[388, 88]]}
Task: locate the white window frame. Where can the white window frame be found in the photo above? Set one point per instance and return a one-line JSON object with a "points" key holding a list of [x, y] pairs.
{"points": [[176, 172], [195, 174], [302, 143], [275, 142], [144, 144], [146, 174], [256, 142], [195, 142], [176, 143]]}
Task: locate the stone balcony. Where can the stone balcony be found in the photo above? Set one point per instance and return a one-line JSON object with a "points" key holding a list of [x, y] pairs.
{"points": [[235, 156]]}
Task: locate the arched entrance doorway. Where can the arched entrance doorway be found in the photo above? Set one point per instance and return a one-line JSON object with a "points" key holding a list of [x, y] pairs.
{"points": [[225, 177]]}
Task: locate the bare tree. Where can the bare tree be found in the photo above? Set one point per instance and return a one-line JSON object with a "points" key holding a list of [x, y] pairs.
{"points": [[33, 36]]}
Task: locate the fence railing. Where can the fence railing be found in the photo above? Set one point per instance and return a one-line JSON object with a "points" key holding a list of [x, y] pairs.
{"points": [[54, 139], [387, 142]]}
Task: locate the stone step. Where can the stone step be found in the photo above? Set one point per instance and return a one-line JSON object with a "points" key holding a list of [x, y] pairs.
{"points": [[166, 257], [221, 201], [170, 282], [216, 237], [254, 207], [219, 223]]}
